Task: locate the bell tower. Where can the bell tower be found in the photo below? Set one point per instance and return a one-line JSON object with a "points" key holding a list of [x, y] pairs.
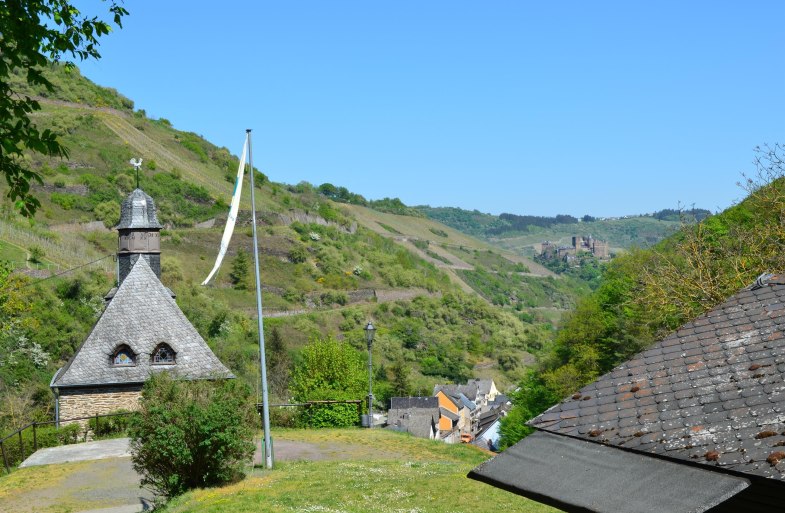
{"points": [[139, 234]]}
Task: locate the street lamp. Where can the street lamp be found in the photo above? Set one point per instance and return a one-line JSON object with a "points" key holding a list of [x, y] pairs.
{"points": [[369, 333]]}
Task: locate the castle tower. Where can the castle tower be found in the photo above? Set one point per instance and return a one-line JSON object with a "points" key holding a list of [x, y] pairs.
{"points": [[139, 234]]}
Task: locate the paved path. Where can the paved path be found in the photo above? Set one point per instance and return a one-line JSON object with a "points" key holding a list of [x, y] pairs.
{"points": [[116, 448], [97, 477]]}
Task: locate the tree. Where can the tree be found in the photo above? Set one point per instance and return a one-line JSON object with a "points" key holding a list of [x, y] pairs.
{"points": [[36, 254], [239, 274], [191, 434], [278, 363], [34, 33], [531, 399], [329, 370], [400, 382]]}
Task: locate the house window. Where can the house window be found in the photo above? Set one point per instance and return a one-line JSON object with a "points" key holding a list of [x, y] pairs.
{"points": [[163, 355], [123, 357]]}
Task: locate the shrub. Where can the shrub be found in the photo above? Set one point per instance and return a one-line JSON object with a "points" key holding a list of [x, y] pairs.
{"points": [[191, 434], [36, 254], [110, 426], [298, 254], [329, 370], [108, 212], [64, 200], [48, 436]]}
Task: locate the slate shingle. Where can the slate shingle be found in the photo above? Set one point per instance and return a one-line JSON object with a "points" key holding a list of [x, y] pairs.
{"points": [[142, 314], [714, 384]]}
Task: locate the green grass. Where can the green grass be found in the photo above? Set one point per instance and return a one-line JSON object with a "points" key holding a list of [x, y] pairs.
{"points": [[384, 472], [12, 252]]}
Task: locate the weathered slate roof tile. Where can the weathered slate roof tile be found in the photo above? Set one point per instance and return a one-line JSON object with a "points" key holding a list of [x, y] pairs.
{"points": [[142, 315], [716, 384]]}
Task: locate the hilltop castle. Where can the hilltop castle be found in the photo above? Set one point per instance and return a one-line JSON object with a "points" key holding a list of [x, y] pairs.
{"points": [[588, 244]]}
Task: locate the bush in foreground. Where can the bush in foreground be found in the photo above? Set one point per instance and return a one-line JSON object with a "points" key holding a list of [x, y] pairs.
{"points": [[191, 434]]}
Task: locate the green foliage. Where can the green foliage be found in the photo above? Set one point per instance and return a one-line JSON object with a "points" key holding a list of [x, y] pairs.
{"points": [[329, 370], [35, 33], [36, 254], [394, 206], [341, 194], [113, 425], [45, 436], [586, 267], [239, 273], [191, 434], [298, 254], [179, 201], [513, 289], [400, 383], [108, 212], [531, 399], [439, 232], [193, 143], [64, 200], [692, 215], [278, 363], [472, 222]]}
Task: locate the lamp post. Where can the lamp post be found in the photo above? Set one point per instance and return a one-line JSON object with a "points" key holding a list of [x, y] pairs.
{"points": [[369, 332]]}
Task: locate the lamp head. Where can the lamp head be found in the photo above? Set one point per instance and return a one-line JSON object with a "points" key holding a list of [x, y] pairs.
{"points": [[370, 330]]}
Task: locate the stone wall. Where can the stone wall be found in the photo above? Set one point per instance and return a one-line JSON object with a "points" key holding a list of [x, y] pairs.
{"points": [[86, 402]]}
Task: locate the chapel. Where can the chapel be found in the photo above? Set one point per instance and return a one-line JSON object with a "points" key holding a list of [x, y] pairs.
{"points": [[140, 332]]}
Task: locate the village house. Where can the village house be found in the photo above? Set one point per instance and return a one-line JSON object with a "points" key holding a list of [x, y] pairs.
{"points": [[696, 423], [140, 332], [416, 415]]}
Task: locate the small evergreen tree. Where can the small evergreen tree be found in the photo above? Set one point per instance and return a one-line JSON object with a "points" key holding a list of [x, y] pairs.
{"points": [[401, 383], [239, 274], [278, 364]]}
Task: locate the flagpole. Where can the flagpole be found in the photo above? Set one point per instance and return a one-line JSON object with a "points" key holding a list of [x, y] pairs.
{"points": [[268, 446]]}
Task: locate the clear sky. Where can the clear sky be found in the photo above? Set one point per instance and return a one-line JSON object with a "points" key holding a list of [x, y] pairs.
{"points": [[602, 108]]}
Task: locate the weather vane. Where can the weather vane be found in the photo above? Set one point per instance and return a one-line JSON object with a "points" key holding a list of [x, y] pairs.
{"points": [[137, 163]]}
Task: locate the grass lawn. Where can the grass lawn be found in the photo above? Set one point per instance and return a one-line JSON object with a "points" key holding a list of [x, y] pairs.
{"points": [[369, 471]]}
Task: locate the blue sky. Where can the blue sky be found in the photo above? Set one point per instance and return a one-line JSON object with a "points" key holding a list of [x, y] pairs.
{"points": [[605, 108]]}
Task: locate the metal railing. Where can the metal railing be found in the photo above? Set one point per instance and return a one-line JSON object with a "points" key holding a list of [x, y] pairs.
{"points": [[34, 426], [310, 404]]}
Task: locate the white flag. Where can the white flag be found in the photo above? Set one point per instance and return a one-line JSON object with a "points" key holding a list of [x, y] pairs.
{"points": [[235, 206]]}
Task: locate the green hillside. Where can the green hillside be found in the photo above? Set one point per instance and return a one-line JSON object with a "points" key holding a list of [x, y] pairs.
{"points": [[515, 234], [327, 267]]}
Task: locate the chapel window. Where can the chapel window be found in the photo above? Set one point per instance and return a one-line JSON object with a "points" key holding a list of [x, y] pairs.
{"points": [[123, 357], [163, 355]]}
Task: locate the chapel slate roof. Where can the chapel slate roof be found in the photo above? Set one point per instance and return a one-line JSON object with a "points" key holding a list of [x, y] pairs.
{"points": [[142, 314], [138, 211], [711, 393]]}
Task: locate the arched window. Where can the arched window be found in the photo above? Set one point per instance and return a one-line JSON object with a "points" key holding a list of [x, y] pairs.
{"points": [[163, 355], [123, 357]]}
